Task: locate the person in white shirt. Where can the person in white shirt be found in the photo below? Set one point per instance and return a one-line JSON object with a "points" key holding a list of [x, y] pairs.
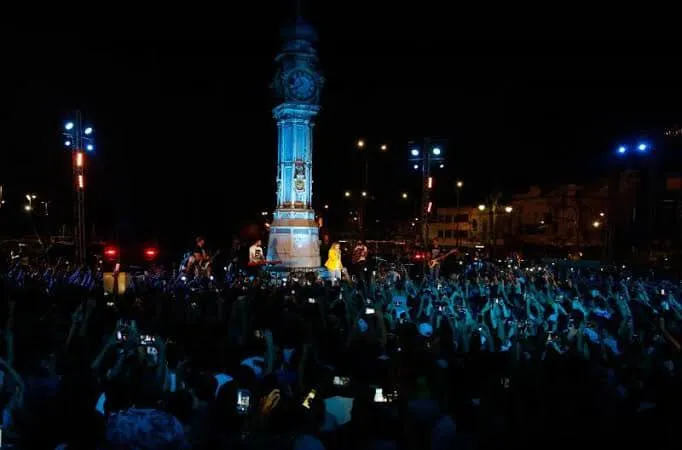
{"points": [[256, 257]]}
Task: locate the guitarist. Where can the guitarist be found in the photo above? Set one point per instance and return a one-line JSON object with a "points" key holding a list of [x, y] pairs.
{"points": [[256, 256], [434, 264]]}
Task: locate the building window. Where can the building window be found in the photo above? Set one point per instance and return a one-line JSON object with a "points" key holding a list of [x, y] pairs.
{"points": [[460, 234], [440, 233], [448, 234], [461, 218]]}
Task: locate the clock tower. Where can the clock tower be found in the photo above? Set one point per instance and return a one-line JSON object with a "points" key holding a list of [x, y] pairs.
{"points": [[294, 237]]}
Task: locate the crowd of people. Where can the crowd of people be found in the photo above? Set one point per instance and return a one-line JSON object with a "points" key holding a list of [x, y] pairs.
{"points": [[495, 354]]}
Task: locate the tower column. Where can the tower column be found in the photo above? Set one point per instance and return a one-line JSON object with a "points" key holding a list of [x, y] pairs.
{"points": [[294, 237]]}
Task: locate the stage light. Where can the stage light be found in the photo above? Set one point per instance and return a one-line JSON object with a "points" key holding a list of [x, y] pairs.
{"points": [[415, 152], [642, 147], [88, 130], [429, 183], [436, 151], [150, 253], [415, 167], [79, 159], [442, 166], [90, 147], [481, 207], [68, 126], [81, 183], [67, 143], [622, 149], [110, 252]]}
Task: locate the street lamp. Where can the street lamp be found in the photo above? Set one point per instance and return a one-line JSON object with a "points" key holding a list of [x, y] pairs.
{"points": [[346, 194], [596, 224], [404, 195], [460, 184], [481, 207], [28, 208], [79, 138], [384, 147], [361, 143], [508, 209]]}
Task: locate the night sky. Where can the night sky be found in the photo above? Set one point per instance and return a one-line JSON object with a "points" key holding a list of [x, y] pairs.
{"points": [[186, 142]]}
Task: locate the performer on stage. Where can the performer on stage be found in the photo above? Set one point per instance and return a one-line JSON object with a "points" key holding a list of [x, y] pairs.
{"points": [[333, 263], [256, 257], [199, 259], [359, 260], [435, 261]]}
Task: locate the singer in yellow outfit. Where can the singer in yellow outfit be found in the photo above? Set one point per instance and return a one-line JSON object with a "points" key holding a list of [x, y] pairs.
{"points": [[333, 263]]}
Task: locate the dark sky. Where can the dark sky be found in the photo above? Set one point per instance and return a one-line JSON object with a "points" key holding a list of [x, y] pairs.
{"points": [[186, 142]]}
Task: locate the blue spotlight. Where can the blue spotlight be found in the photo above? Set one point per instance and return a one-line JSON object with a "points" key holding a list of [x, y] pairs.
{"points": [[90, 147], [436, 151], [67, 143], [88, 130], [415, 167], [622, 149], [68, 125], [642, 147], [415, 152]]}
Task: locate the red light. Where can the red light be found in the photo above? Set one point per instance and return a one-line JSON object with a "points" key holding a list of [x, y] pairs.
{"points": [[111, 252], [150, 253]]}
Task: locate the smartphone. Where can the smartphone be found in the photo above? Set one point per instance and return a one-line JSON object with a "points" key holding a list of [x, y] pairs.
{"points": [[549, 337], [110, 304], [309, 398], [662, 291], [147, 339], [311, 300], [243, 401], [379, 395], [258, 334], [341, 381], [369, 311]]}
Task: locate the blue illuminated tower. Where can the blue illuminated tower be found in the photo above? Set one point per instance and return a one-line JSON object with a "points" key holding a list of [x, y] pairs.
{"points": [[294, 232]]}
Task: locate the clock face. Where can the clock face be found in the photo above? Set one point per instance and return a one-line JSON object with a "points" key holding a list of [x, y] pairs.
{"points": [[301, 85]]}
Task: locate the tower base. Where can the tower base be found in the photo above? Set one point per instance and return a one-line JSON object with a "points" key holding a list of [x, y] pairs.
{"points": [[294, 239]]}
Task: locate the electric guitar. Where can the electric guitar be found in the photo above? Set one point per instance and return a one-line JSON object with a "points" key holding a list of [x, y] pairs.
{"points": [[263, 262], [435, 261]]}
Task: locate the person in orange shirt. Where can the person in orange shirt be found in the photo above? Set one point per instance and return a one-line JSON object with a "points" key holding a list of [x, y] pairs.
{"points": [[333, 263]]}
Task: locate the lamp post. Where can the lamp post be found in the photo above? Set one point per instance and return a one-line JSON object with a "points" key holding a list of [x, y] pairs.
{"points": [[421, 156], [79, 139], [458, 187], [362, 147], [621, 221]]}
